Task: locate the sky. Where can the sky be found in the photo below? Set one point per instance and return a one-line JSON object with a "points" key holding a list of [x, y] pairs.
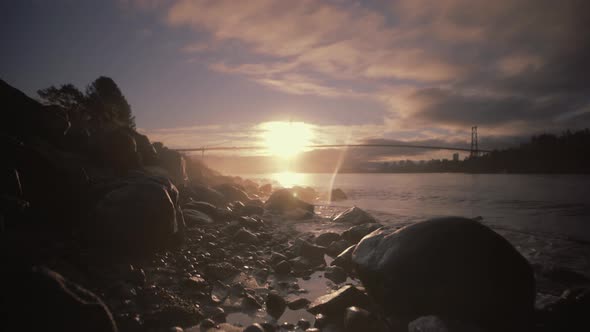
{"points": [[209, 72]]}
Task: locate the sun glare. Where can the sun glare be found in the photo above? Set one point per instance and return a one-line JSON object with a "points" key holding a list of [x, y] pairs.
{"points": [[286, 139], [289, 179]]}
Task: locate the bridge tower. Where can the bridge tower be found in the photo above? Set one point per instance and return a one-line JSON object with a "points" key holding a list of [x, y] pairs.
{"points": [[474, 151]]}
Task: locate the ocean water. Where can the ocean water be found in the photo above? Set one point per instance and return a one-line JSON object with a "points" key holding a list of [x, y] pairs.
{"points": [[546, 217]]}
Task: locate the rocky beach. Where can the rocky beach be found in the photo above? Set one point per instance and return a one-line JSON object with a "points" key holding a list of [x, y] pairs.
{"points": [[103, 230]]}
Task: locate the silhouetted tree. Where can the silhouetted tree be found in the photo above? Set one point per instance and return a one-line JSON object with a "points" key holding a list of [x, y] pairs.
{"points": [[106, 103], [66, 96]]}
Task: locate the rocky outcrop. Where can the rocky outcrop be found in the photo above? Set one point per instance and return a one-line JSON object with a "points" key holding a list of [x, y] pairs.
{"points": [[354, 216], [454, 267], [283, 201]]}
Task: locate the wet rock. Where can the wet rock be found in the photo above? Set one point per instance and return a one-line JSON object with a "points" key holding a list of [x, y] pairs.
{"points": [[303, 324], [354, 216], [325, 239], [245, 236], [204, 207], [218, 315], [287, 326], [335, 303], [275, 304], [306, 194], [175, 329], [336, 274], [249, 302], [251, 210], [464, 271], [254, 328], [276, 257], [139, 210], [338, 195], [136, 275], [337, 247], [344, 260], [298, 303], [232, 193], [196, 282], [312, 329], [176, 315], [283, 268], [221, 271], [206, 194], [194, 218], [265, 189], [312, 252], [570, 309], [359, 319], [427, 324], [301, 264], [250, 223], [321, 321], [282, 201], [269, 327], [356, 233], [49, 302], [207, 324]]}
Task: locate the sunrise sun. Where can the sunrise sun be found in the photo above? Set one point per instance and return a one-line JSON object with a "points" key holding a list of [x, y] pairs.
{"points": [[286, 139]]}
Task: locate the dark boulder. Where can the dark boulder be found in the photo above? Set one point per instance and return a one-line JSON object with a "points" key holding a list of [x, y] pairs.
{"points": [[174, 164], [354, 216], [338, 195], [344, 260], [138, 210], [325, 239], [356, 233], [145, 149], [275, 304], [245, 236], [200, 192], [207, 208], [335, 303], [453, 267], [194, 218], [116, 148], [283, 200], [232, 193], [337, 247], [336, 274]]}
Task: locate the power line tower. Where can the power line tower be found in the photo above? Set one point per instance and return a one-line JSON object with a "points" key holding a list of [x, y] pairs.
{"points": [[474, 151]]}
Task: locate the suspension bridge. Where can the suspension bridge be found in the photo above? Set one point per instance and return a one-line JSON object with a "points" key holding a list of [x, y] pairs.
{"points": [[473, 150]]}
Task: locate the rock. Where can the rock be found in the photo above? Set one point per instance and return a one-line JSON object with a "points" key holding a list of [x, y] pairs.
{"points": [[359, 319], [140, 210], [175, 315], [428, 324], [337, 247], [354, 216], [298, 303], [325, 239], [283, 201], [175, 329], [145, 149], [276, 257], [275, 304], [254, 328], [338, 195], [218, 315], [306, 194], [461, 269], [116, 148], [174, 164], [221, 271], [49, 302], [335, 303], [301, 264], [570, 309], [303, 324], [297, 214], [356, 233], [245, 236], [232, 193], [312, 252], [195, 218], [265, 189], [344, 260], [206, 194], [336, 274], [283, 268], [321, 321], [204, 207], [196, 283], [251, 210], [207, 324]]}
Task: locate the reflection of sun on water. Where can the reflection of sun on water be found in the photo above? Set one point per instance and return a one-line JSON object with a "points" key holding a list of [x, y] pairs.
{"points": [[289, 179], [286, 139]]}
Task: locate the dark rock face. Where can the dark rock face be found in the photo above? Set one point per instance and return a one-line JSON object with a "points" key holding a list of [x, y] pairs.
{"points": [[204, 207], [145, 149], [174, 164], [232, 193], [453, 267], [194, 217], [282, 201], [336, 274], [282, 268], [359, 319], [245, 236], [206, 194], [356, 233], [334, 304], [49, 302], [325, 239], [139, 210], [337, 247], [275, 304], [344, 260], [354, 216], [338, 195]]}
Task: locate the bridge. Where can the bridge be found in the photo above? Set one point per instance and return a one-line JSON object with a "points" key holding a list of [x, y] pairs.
{"points": [[473, 150]]}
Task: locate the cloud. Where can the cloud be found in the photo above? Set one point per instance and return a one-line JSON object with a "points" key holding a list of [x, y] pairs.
{"points": [[513, 67]]}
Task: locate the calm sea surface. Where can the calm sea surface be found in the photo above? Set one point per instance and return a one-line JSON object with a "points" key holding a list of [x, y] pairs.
{"points": [[542, 204]]}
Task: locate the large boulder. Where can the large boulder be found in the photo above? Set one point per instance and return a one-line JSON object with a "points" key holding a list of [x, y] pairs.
{"points": [[203, 193], [138, 210], [173, 162], [145, 149], [283, 201], [354, 216], [355, 233], [232, 193], [116, 148], [452, 267]]}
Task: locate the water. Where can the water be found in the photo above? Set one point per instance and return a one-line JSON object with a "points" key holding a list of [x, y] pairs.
{"points": [[540, 204]]}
